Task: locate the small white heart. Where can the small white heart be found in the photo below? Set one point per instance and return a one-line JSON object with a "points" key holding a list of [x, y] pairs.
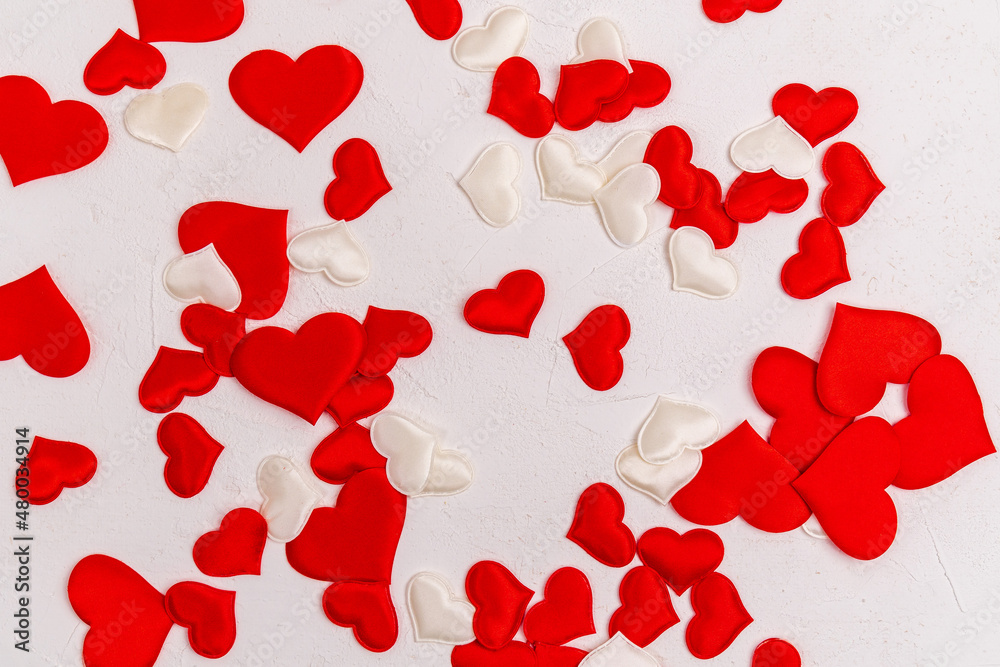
{"points": [[438, 614], [696, 267], [812, 528], [202, 277], [491, 184], [600, 39], [624, 203], [563, 175], [618, 652], [169, 118], [773, 145], [659, 482], [674, 426], [288, 498], [409, 450], [334, 251], [483, 48], [630, 149], [451, 473]]}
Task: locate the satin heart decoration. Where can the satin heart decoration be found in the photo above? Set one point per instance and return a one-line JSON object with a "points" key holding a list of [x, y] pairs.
{"points": [[438, 615], [669, 152], [719, 617], [360, 397], [359, 182], [169, 118], [191, 454], [128, 623], [296, 99], [620, 652], [392, 334], [124, 61], [173, 375], [853, 185], [344, 453], [333, 250], [208, 613], [365, 607], [500, 600], [511, 308], [584, 88], [773, 145], [596, 345], [708, 215], [236, 548], [289, 498], [659, 482], [866, 349], [217, 332], [558, 656], [565, 613], [681, 560], [820, 264], [482, 49], [727, 11], [187, 20], [752, 196], [516, 100], [775, 653], [673, 426], [562, 175], [600, 39], [624, 203], [648, 85], [697, 268], [598, 527], [646, 611], [440, 19], [54, 465], [202, 277], [816, 116], [300, 372], [491, 184], [629, 150], [514, 654], [741, 475]]}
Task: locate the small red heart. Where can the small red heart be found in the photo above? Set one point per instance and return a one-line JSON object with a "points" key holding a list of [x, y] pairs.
{"points": [[511, 308], [727, 11], [516, 100], [670, 152], [39, 138], [820, 264], [208, 613], [187, 20], [54, 465], [719, 617], [236, 548], [440, 19], [392, 334], [776, 653], [853, 184], [173, 375], [816, 116], [214, 330], [584, 89], [648, 85], [124, 61], [359, 182], [708, 215], [296, 99], [646, 611], [598, 526], [742, 475], [565, 613], [500, 600], [300, 372], [846, 485], [864, 350], [514, 654], [596, 345], [365, 607], [191, 454], [752, 196], [558, 656], [946, 429], [344, 453], [681, 560], [128, 623], [360, 397]]}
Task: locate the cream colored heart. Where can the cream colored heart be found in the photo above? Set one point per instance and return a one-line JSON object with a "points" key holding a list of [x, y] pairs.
{"points": [[451, 473], [696, 267], [624, 203], [202, 277], [600, 39], [491, 184], [563, 175], [438, 615], [618, 652], [169, 118], [483, 48], [409, 450], [334, 251], [773, 145], [288, 498], [659, 482], [630, 149], [674, 426]]}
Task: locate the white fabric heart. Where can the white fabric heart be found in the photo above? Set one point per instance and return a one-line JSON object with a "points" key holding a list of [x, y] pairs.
{"points": [[773, 145], [483, 48], [563, 175], [202, 277], [334, 251], [659, 482], [600, 39], [630, 149], [438, 614], [674, 426], [624, 203], [451, 473], [491, 184], [618, 652], [169, 118], [288, 498], [696, 267], [416, 465]]}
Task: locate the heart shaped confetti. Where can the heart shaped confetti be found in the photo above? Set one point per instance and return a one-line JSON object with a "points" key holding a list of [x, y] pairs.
{"points": [[773, 145], [54, 465], [624, 203], [208, 613], [681, 560], [620, 652], [727, 11], [565, 613], [483, 48], [630, 149], [697, 269], [391, 335], [600, 39], [516, 99], [709, 214], [558, 656], [491, 184], [659, 482], [853, 185], [333, 251], [775, 653], [360, 397], [719, 617], [202, 277], [511, 308], [173, 375], [167, 119], [816, 116], [648, 85], [288, 498], [187, 20], [365, 607], [646, 611], [438, 615], [598, 526], [563, 176], [236, 548], [514, 654], [820, 264], [500, 601], [752, 196], [669, 152], [344, 453], [191, 454], [124, 61], [359, 182], [584, 88], [596, 345], [440, 19], [674, 426], [416, 464], [214, 330]]}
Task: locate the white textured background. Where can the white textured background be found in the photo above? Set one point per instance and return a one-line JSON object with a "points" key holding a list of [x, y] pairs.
{"points": [[926, 75]]}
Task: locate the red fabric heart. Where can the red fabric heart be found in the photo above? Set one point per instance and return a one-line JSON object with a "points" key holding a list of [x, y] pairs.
{"points": [[516, 100], [776, 653], [558, 656], [853, 184], [214, 330], [296, 99], [646, 611], [500, 600], [511, 308], [648, 85], [743, 475], [598, 526], [128, 623], [784, 384], [344, 453], [392, 334], [816, 116], [669, 152], [708, 215], [124, 61], [359, 182], [236, 548], [365, 607], [820, 264], [251, 241], [946, 429], [40, 325], [514, 654], [864, 350], [173, 375], [187, 20], [356, 540], [191, 454], [584, 88], [567, 612], [39, 138], [360, 397], [208, 613], [440, 19], [846, 485], [752, 196], [54, 465], [300, 372], [596, 345], [727, 11], [719, 617], [681, 560]]}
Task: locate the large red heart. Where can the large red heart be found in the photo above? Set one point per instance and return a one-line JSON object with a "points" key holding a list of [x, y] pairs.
{"points": [[514, 654], [596, 345], [846, 485], [752, 196], [816, 116], [727, 11], [39, 138], [300, 372], [40, 325], [776, 653], [359, 182], [208, 613], [440, 19], [191, 454], [681, 560], [173, 375], [356, 540], [344, 453], [646, 611], [392, 334], [598, 526], [124, 61], [296, 99], [946, 429], [584, 89], [820, 264], [236, 548], [128, 623], [853, 184], [670, 152], [509, 309], [708, 215], [558, 656], [719, 617], [366, 607], [187, 20], [214, 330], [648, 85], [864, 350], [500, 600], [360, 397], [743, 475], [565, 613], [516, 100], [54, 465]]}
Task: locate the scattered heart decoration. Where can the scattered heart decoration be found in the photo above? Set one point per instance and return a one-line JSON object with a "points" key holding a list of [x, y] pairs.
{"points": [[565, 613], [438, 615], [719, 617], [820, 264], [815, 116], [359, 182], [853, 186], [392, 335], [491, 184], [173, 375], [670, 152], [360, 397], [509, 309], [584, 88], [54, 465], [598, 526], [191, 454], [236, 548], [752, 196], [214, 330], [709, 214], [646, 611], [681, 560], [187, 20], [208, 613], [484, 48], [365, 607], [596, 345], [124, 61], [500, 601], [516, 99], [344, 453], [289, 498]]}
